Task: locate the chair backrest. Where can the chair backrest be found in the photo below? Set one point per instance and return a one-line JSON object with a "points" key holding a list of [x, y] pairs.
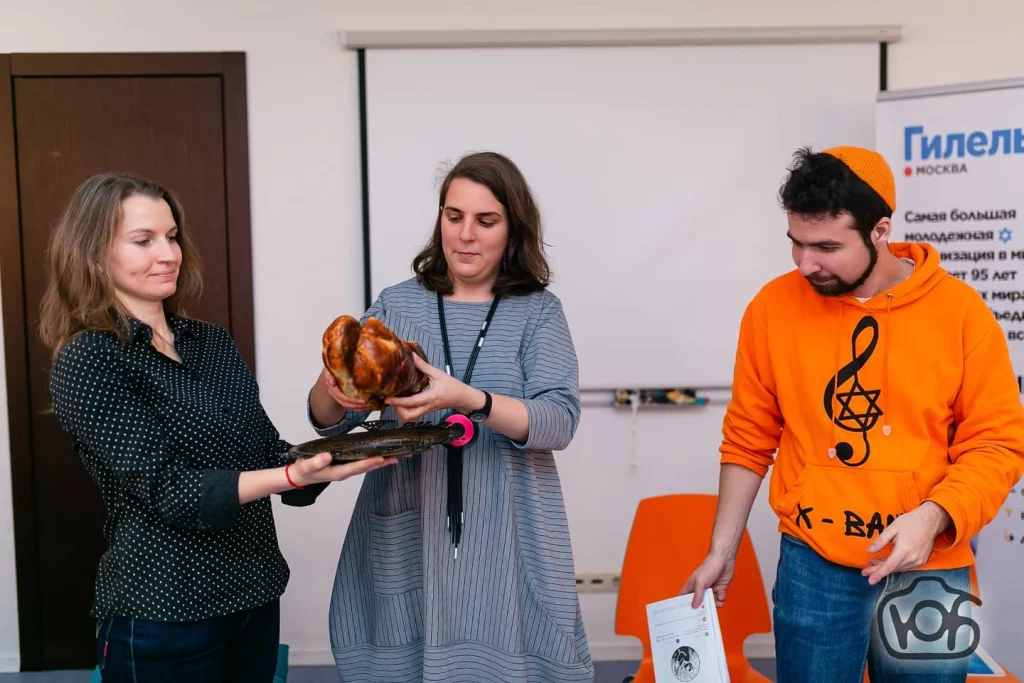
{"points": [[668, 541]]}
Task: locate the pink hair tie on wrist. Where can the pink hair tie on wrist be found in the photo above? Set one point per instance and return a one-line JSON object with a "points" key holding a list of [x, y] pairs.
{"points": [[468, 428]]}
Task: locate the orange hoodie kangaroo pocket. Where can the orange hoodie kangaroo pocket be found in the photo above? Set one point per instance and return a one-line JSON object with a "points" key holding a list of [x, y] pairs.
{"points": [[839, 510]]}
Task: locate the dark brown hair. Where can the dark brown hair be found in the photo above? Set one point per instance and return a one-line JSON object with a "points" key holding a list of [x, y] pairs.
{"points": [[524, 267], [79, 294]]}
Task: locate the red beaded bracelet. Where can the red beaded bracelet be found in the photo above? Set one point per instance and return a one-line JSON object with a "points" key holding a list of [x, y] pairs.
{"points": [[290, 482]]}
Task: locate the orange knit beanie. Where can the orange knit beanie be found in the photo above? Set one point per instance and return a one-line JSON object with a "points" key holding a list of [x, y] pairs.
{"points": [[870, 167]]}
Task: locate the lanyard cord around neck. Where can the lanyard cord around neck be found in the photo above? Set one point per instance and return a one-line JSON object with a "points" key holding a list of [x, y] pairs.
{"points": [[455, 514]]}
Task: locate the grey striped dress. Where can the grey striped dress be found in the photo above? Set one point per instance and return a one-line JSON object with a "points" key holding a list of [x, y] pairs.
{"points": [[403, 608]]}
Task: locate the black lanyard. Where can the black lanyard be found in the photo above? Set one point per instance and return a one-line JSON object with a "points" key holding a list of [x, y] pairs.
{"points": [[455, 515], [476, 347]]}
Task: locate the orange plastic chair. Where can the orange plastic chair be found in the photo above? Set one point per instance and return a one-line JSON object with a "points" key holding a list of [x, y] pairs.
{"points": [[669, 539]]}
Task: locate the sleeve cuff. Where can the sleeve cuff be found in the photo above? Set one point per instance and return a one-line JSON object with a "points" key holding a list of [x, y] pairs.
{"points": [[548, 427], [955, 533], [312, 420], [218, 499], [301, 498], [347, 423], [743, 461]]}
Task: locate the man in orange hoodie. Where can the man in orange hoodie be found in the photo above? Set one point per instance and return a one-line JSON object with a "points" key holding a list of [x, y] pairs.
{"points": [[881, 388]]}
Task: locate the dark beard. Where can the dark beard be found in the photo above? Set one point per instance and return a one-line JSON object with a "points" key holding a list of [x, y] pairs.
{"points": [[837, 286]]}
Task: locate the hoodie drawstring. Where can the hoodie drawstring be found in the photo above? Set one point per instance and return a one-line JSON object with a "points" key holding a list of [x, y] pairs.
{"points": [[835, 378], [884, 402]]}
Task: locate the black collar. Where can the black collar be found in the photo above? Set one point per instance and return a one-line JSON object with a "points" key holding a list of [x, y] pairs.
{"points": [[140, 332]]}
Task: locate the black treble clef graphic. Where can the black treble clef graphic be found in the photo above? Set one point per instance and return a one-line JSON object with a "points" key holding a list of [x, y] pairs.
{"points": [[850, 417]]}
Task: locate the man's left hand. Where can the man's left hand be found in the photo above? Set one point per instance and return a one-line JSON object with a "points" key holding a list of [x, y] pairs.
{"points": [[912, 536]]}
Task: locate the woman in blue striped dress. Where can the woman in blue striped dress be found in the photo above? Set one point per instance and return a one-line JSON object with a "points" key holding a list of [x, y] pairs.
{"points": [[458, 567]]}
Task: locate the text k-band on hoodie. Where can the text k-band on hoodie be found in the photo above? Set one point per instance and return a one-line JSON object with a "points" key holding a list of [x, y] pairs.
{"points": [[876, 406]]}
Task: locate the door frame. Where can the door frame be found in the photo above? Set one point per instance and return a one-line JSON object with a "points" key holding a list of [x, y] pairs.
{"points": [[231, 68]]}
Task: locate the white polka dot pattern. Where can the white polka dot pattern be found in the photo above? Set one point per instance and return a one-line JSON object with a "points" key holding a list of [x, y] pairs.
{"points": [[166, 442]]}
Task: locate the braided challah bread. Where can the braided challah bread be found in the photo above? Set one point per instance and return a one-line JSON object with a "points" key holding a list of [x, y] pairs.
{"points": [[369, 362]]}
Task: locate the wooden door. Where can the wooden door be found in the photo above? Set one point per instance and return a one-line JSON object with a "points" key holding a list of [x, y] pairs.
{"points": [[180, 121]]}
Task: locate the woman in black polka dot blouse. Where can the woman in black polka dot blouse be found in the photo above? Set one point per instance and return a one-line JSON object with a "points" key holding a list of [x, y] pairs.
{"points": [[166, 417]]}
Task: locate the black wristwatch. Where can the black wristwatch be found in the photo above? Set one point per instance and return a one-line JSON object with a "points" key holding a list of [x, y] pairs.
{"points": [[483, 413]]}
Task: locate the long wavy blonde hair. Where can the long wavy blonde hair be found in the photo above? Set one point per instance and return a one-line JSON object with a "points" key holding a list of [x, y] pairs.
{"points": [[79, 294]]}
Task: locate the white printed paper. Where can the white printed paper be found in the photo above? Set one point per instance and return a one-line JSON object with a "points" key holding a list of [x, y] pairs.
{"points": [[686, 643]]}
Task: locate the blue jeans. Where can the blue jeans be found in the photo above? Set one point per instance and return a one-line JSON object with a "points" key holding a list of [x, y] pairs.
{"points": [[830, 624], [237, 647]]}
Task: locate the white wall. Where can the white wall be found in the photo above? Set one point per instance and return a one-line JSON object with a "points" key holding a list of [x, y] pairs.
{"points": [[304, 149]]}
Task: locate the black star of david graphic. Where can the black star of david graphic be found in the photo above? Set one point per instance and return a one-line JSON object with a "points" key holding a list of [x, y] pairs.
{"points": [[858, 410], [861, 421]]}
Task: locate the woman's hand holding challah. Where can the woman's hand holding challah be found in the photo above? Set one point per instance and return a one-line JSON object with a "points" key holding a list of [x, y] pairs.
{"points": [[442, 393], [369, 364], [339, 397]]}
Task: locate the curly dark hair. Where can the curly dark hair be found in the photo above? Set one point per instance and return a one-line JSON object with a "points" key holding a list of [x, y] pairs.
{"points": [[821, 185], [524, 266]]}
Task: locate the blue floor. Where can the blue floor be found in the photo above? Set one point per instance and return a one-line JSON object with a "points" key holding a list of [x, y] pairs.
{"points": [[607, 672]]}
